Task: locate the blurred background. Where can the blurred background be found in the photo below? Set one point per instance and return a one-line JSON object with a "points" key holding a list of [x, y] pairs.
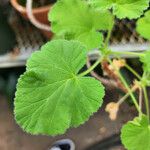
{"points": [[18, 39]]}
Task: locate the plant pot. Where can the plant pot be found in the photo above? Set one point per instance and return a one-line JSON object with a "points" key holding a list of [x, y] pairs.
{"points": [[41, 14]]}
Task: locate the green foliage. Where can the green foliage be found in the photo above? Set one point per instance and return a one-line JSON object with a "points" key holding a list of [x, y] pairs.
{"points": [[145, 59], [135, 134], [143, 26], [122, 8], [50, 96], [74, 19]]}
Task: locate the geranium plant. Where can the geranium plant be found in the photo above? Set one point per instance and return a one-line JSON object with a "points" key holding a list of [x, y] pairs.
{"points": [[54, 95]]}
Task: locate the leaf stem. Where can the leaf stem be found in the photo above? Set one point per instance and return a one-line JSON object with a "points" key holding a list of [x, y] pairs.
{"points": [[123, 98], [126, 53], [140, 98], [133, 71], [126, 96], [109, 33], [127, 87], [91, 68], [107, 38], [146, 102]]}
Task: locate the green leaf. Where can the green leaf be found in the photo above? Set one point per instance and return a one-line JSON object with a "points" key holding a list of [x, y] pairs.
{"points": [[102, 4], [81, 22], [50, 96], [145, 59], [122, 8], [143, 26], [135, 134]]}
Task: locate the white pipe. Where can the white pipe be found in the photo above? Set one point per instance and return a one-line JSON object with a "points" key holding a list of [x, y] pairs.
{"points": [[33, 19]]}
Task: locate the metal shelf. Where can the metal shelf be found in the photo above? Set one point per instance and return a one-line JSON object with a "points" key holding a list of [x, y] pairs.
{"points": [[30, 39]]}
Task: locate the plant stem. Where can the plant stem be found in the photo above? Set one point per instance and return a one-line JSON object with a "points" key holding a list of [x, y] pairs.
{"points": [[123, 98], [127, 87], [126, 96], [140, 98], [107, 38], [146, 101], [109, 34], [126, 53], [91, 68], [133, 71]]}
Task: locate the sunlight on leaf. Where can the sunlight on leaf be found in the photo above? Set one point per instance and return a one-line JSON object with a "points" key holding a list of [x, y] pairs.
{"points": [[50, 96], [145, 59], [143, 26], [135, 134], [81, 22], [122, 8]]}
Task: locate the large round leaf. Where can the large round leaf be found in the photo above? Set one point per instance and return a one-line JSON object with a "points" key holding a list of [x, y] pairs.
{"points": [[143, 26], [122, 8], [145, 59], [135, 134], [50, 96], [81, 22]]}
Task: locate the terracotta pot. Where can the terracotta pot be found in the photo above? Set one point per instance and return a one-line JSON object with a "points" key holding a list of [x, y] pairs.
{"points": [[47, 34], [41, 14]]}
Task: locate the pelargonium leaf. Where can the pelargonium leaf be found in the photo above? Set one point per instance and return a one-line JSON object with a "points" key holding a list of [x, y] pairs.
{"points": [[51, 96], [122, 8], [145, 59], [143, 26], [135, 134], [102, 4], [81, 22]]}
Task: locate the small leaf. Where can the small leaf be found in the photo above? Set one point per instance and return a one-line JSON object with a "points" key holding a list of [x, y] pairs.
{"points": [[50, 96], [135, 134], [145, 59], [143, 26], [122, 8], [81, 22]]}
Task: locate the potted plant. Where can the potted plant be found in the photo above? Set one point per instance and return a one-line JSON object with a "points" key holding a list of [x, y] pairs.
{"points": [[53, 90], [40, 11]]}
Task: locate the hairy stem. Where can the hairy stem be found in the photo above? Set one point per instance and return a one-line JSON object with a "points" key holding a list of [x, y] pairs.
{"points": [[126, 53], [140, 98], [146, 102], [123, 98], [127, 87], [111, 73], [109, 34], [91, 68], [126, 96], [107, 38], [133, 71], [108, 82]]}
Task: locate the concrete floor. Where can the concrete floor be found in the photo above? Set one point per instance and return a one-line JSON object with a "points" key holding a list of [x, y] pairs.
{"points": [[97, 128]]}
